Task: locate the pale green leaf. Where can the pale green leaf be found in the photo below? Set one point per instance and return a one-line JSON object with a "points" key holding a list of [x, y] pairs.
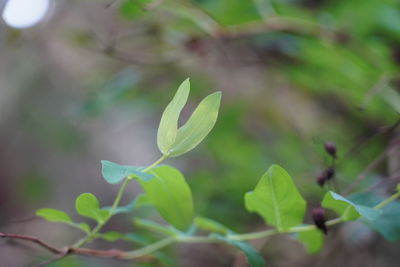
{"points": [[388, 223], [277, 199], [198, 125], [87, 205], [114, 173], [347, 209], [168, 127], [84, 227], [171, 195], [53, 215], [312, 240]]}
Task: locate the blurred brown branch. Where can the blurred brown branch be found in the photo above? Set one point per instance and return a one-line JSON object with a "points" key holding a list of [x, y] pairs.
{"points": [[61, 253]]}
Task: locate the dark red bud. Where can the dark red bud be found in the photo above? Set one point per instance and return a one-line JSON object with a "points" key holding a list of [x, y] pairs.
{"points": [[330, 147], [318, 216], [321, 179], [330, 173], [326, 175]]}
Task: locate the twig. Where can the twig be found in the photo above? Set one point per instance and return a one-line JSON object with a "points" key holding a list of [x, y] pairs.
{"points": [[34, 240], [369, 168], [144, 252]]}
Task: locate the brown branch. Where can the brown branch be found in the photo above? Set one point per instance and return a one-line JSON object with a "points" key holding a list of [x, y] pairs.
{"points": [[61, 253], [32, 239]]}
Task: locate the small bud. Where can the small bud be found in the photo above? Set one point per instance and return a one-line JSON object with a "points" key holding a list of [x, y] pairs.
{"points": [[325, 176], [330, 147], [330, 173], [321, 179], [318, 216]]}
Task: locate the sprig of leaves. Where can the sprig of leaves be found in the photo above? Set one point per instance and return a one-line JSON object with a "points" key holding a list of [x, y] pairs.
{"points": [[275, 197]]}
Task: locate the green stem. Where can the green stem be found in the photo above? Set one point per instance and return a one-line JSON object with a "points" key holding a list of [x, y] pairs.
{"points": [[150, 248], [387, 201], [238, 237], [155, 163], [92, 234]]}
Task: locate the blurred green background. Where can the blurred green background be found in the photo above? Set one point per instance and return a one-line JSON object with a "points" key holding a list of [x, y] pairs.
{"points": [[90, 81]]}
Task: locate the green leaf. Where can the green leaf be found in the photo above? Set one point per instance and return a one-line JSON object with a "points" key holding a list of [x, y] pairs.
{"points": [[87, 205], [312, 240], [153, 226], [210, 225], [111, 236], [114, 173], [198, 125], [53, 215], [253, 258], [139, 201], [171, 195], [84, 227], [168, 128], [388, 223], [277, 199], [347, 209]]}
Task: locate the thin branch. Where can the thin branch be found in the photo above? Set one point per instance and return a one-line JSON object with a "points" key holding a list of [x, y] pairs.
{"points": [[34, 240], [144, 252], [370, 167]]}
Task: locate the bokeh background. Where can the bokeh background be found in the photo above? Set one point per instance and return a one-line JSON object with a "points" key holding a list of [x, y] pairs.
{"points": [[89, 80]]}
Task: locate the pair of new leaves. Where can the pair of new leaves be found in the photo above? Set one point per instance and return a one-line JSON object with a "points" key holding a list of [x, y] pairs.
{"points": [[165, 186], [86, 205]]}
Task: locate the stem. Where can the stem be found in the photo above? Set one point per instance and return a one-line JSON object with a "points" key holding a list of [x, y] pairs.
{"points": [[155, 163], [296, 229], [147, 250], [387, 201], [150, 248], [89, 237]]}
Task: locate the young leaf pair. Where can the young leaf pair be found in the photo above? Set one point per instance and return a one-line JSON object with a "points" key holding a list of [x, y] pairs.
{"points": [[86, 205], [165, 186], [173, 141]]}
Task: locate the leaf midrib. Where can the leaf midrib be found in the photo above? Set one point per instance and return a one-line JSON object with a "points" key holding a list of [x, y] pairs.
{"points": [[271, 188]]}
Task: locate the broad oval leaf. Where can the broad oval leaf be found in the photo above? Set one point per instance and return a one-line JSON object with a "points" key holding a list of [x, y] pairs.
{"points": [[114, 173], [168, 127], [277, 199], [313, 240], [347, 209], [53, 215], [171, 195], [253, 258], [388, 223], [198, 125], [87, 205]]}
